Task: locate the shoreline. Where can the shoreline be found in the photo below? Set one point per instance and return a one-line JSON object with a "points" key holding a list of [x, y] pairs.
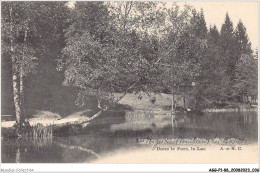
{"points": [[253, 109], [77, 119], [46, 122]]}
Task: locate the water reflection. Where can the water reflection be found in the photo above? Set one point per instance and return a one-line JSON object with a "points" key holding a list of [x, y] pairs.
{"points": [[119, 132], [78, 148], [18, 155], [174, 126]]}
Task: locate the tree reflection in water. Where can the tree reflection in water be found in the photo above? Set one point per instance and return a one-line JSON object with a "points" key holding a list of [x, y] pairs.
{"points": [[27, 143], [122, 136]]}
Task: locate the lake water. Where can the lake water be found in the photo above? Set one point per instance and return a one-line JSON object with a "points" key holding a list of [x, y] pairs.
{"points": [[117, 132]]}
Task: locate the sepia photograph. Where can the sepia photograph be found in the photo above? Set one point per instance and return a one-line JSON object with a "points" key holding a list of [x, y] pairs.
{"points": [[129, 82]]}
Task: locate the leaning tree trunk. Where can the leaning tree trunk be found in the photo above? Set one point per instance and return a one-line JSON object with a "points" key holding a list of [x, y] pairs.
{"points": [[16, 96]]}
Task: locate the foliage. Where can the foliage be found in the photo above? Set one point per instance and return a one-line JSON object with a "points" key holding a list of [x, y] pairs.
{"points": [[246, 77], [103, 48], [245, 83], [16, 19], [154, 47]]}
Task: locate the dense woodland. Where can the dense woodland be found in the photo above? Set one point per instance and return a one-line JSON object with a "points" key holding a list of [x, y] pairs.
{"points": [[61, 58]]}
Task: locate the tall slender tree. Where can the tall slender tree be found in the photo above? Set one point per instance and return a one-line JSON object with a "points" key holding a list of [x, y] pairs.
{"points": [[24, 38], [17, 24], [246, 67], [241, 37], [228, 52]]}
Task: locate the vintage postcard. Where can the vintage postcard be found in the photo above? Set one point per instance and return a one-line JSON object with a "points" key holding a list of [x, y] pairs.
{"points": [[145, 82]]}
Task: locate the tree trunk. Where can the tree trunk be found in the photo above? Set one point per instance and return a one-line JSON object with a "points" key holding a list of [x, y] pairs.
{"points": [[22, 95], [173, 102], [173, 113], [94, 116], [196, 101], [22, 77], [16, 96], [184, 102]]}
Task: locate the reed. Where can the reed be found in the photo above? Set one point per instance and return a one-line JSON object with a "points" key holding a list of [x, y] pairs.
{"points": [[40, 131], [28, 131]]}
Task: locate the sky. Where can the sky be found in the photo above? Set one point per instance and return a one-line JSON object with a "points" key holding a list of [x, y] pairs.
{"points": [[215, 13]]}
